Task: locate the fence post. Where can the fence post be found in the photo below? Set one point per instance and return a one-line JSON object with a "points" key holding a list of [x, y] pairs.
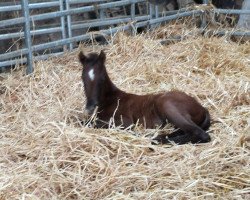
{"points": [[203, 17], [152, 10], [69, 25], [62, 19], [27, 35], [132, 9], [152, 14], [102, 16], [132, 15], [156, 11]]}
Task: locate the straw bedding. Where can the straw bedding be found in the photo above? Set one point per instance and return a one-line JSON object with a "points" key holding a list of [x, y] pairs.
{"points": [[46, 153]]}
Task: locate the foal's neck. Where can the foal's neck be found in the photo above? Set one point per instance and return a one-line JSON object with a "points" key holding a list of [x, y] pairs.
{"points": [[109, 88]]}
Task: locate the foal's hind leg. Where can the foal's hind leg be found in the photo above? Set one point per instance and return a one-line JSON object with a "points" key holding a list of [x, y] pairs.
{"points": [[182, 138], [186, 138], [192, 132]]}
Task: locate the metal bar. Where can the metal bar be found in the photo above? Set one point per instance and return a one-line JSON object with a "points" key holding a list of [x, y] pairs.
{"points": [[28, 44], [203, 17], [11, 22], [168, 18], [62, 20], [203, 21], [102, 15], [227, 11], [175, 11], [11, 62], [151, 11], [31, 6], [99, 1], [178, 15], [230, 33], [13, 54], [24, 60], [107, 22], [132, 15], [33, 33], [132, 10], [69, 25], [86, 1], [156, 11]]}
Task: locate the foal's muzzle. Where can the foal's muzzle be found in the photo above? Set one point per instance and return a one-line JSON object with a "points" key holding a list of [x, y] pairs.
{"points": [[90, 107]]}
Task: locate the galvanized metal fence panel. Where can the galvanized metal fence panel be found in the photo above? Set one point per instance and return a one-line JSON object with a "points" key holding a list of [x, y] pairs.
{"points": [[65, 10]]}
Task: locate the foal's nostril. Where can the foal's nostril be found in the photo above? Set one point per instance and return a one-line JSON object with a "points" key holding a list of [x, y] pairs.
{"points": [[90, 107]]}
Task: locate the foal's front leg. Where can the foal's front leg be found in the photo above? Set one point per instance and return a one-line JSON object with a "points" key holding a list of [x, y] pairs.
{"points": [[160, 139]]}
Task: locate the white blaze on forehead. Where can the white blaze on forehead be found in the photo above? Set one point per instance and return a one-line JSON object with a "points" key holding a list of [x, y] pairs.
{"points": [[91, 74]]}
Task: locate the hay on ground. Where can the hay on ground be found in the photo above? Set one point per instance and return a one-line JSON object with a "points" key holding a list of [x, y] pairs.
{"points": [[45, 152]]}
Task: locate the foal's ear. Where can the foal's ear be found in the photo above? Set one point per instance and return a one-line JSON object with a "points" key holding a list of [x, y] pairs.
{"points": [[82, 57], [102, 56]]}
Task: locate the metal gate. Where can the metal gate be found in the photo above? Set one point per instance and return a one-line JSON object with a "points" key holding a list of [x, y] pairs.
{"points": [[103, 23]]}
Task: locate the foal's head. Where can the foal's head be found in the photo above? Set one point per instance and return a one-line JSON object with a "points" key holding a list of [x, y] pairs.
{"points": [[93, 76]]}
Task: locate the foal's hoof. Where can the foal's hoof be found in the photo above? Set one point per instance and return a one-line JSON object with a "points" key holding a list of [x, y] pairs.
{"points": [[205, 138], [160, 139]]}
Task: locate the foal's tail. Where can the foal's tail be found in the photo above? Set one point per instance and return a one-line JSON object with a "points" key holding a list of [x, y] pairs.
{"points": [[207, 121]]}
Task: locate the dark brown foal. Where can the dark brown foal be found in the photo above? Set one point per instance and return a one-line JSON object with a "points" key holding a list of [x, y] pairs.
{"points": [[176, 107]]}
